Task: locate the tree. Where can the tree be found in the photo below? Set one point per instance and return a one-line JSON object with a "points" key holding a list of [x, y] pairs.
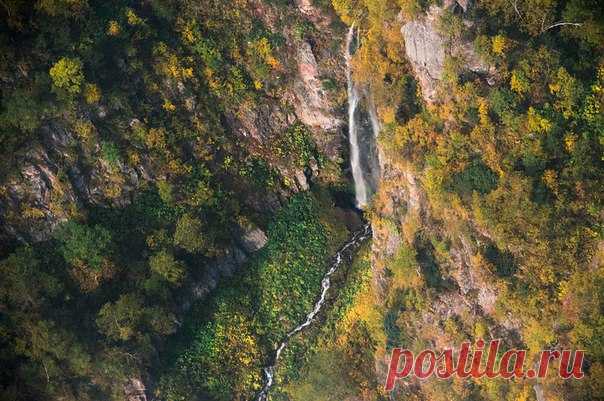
{"points": [[92, 93], [64, 8], [21, 110], [67, 75], [231, 375], [24, 283], [164, 264], [188, 234], [122, 319], [84, 245]]}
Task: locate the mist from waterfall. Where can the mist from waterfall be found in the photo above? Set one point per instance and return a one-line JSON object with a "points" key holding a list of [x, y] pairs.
{"points": [[360, 184]]}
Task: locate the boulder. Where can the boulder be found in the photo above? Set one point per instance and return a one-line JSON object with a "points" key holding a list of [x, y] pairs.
{"points": [[253, 239], [134, 390]]}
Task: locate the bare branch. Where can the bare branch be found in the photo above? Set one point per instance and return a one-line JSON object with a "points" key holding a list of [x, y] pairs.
{"points": [[7, 9], [515, 4], [561, 24], [46, 371]]}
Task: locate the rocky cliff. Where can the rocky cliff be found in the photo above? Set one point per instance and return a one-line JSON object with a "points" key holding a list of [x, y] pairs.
{"points": [[443, 249], [428, 45], [60, 175]]}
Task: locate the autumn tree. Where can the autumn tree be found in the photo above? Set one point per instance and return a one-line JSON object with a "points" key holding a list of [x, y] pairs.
{"points": [[188, 233], [164, 264], [67, 75]]}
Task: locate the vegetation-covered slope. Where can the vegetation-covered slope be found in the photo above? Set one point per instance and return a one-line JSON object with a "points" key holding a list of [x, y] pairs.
{"points": [[147, 145], [488, 220]]}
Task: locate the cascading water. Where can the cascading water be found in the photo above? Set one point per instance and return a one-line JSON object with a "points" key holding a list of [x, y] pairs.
{"points": [[363, 128], [346, 250], [360, 184]]}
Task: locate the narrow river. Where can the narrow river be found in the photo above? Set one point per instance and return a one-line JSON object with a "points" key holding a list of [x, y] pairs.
{"points": [[346, 250]]}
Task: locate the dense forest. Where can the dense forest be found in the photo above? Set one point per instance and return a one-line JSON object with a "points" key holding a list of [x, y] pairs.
{"points": [[507, 160], [175, 180], [103, 296]]}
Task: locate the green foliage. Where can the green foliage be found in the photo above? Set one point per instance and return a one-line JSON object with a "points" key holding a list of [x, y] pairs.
{"points": [[164, 264], [80, 244], [165, 81], [129, 319], [475, 177], [451, 25], [121, 320], [329, 85], [295, 145], [502, 260], [302, 29], [339, 353], [110, 152], [67, 75], [254, 311], [291, 266], [159, 83], [504, 103], [20, 110], [325, 379], [188, 233], [225, 375], [498, 159], [25, 285]]}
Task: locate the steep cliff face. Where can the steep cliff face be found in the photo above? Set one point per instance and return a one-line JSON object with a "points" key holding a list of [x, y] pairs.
{"points": [[402, 199], [55, 179], [427, 46], [60, 175], [152, 148], [446, 251], [451, 258]]}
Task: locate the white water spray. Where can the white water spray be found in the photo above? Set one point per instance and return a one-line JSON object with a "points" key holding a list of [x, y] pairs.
{"points": [[360, 185]]}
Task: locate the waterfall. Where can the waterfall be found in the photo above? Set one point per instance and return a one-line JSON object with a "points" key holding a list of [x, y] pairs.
{"points": [[360, 184], [375, 122], [363, 128], [346, 250]]}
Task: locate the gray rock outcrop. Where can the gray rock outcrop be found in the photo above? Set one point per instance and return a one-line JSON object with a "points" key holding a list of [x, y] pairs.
{"points": [[253, 239], [134, 390], [427, 48], [52, 182], [311, 103]]}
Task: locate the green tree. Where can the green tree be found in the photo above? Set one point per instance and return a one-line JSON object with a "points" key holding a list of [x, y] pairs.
{"points": [[25, 284], [188, 234], [21, 110], [67, 75], [122, 319], [81, 244], [164, 264]]}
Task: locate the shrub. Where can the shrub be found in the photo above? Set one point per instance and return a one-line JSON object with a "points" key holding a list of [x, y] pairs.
{"points": [[475, 177], [110, 153], [188, 234]]}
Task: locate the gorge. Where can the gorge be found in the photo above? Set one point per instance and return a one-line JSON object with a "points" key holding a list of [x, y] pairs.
{"points": [[360, 158], [260, 199]]}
